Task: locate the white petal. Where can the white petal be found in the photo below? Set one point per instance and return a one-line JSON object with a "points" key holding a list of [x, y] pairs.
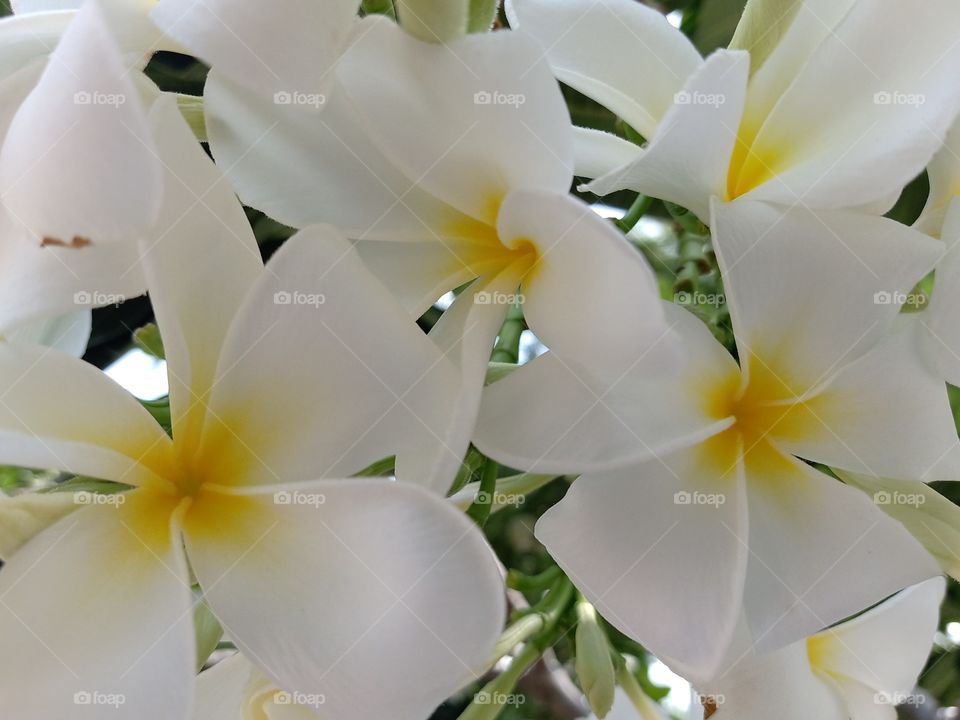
{"points": [[38, 284], [621, 537], [22, 7], [944, 174], [810, 291], [302, 168], [201, 254], [887, 95], [465, 334], [221, 690], [83, 115], [940, 320], [67, 333], [588, 283], [820, 551], [335, 597], [780, 685], [61, 413], [128, 20], [596, 47], [24, 516], [98, 612], [929, 516], [885, 414], [558, 415], [686, 162], [25, 40], [886, 647], [354, 379], [239, 39], [598, 153], [486, 102], [783, 39], [417, 273]]}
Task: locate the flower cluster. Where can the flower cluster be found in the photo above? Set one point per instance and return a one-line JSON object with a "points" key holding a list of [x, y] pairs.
{"points": [[740, 465]]}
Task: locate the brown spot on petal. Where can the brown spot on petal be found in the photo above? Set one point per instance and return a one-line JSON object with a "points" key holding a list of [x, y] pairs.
{"points": [[76, 242]]}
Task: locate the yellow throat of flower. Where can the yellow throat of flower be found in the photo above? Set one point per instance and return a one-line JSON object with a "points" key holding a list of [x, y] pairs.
{"points": [[479, 249]]}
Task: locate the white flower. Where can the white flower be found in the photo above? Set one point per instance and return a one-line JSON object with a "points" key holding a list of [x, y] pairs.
{"points": [[831, 105], [693, 504], [859, 669], [80, 179], [330, 584], [449, 164]]}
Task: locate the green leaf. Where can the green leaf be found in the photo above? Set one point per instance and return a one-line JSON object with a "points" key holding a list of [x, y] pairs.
{"points": [[148, 339]]}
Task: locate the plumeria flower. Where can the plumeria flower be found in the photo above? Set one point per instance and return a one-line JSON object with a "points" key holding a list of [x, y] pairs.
{"points": [[694, 504], [285, 381], [80, 179], [751, 121], [449, 164], [857, 670]]}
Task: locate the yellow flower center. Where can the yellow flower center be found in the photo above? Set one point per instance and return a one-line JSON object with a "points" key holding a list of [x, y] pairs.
{"points": [[750, 165], [478, 250], [764, 409]]}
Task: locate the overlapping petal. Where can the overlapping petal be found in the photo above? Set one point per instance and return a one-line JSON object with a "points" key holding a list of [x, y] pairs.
{"points": [[335, 390], [353, 586], [633, 36], [103, 605], [84, 119]]}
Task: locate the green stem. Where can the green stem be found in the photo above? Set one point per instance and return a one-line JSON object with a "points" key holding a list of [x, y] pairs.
{"points": [[496, 694], [507, 349], [639, 208], [379, 7], [686, 219], [538, 621], [480, 510], [533, 583]]}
